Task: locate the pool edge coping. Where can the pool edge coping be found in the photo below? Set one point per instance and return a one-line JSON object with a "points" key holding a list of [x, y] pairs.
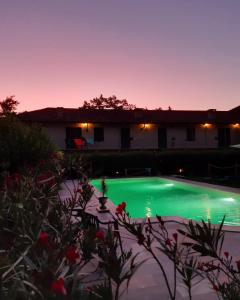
{"points": [[203, 184]]}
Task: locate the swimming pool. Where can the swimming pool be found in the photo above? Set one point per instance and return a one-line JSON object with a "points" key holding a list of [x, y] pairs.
{"points": [[151, 196]]}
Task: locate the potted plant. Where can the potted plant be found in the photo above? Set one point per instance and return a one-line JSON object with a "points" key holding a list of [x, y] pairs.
{"points": [[103, 199]]}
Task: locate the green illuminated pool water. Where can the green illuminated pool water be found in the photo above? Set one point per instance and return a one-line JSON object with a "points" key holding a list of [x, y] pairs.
{"points": [[148, 197]]}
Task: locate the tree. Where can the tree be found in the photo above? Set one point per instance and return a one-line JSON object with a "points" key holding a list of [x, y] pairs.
{"points": [[108, 103], [8, 106]]}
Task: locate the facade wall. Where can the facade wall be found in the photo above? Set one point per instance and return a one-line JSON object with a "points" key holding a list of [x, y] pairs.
{"points": [[57, 134], [111, 138], [205, 137], [143, 137]]}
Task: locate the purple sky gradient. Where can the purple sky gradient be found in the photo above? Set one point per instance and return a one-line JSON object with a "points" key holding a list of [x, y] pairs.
{"points": [[154, 53]]}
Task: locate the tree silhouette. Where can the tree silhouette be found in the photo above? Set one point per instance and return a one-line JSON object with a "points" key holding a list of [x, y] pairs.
{"points": [[108, 103], [8, 106]]}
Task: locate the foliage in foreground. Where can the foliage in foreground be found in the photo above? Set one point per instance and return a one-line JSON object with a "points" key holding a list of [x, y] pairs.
{"points": [[47, 252]]}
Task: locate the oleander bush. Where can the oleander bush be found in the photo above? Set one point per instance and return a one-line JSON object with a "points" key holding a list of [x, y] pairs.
{"points": [[46, 252]]}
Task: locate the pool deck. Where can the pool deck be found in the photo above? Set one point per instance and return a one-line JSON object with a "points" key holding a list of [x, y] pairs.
{"points": [[148, 282]]}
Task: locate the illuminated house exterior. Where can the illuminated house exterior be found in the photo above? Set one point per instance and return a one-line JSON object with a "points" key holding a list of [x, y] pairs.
{"points": [[138, 129]]}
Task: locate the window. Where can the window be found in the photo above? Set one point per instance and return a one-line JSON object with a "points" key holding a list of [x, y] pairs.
{"points": [[72, 133], [191, 134], [98, 134]]}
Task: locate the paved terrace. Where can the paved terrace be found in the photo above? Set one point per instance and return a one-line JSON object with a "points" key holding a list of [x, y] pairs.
{"points": [[148, 282]]}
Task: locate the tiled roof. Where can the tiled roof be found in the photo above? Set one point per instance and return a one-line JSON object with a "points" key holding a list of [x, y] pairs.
{"points": [[72, 115]]}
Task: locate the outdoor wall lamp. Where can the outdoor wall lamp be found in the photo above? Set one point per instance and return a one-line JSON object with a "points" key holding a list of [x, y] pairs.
{"points": [[236, 125], [145, 126], [85, 125], [206, 125]]}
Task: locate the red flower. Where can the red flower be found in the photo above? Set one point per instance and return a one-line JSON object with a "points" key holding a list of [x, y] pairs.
{"points": [[226, 254], [123, 205], [120, 208], [216, 288], [58, 287], [100, 235], [168, 242], [175, 236], [43, 239], [72, 255]]}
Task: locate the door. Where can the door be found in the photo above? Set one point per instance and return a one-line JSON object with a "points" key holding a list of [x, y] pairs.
{"points": [[125, 138], [224, 138], [162, 137]]}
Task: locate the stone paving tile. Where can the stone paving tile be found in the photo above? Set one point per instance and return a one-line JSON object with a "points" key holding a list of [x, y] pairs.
{"points": [[150, 293], [202, 288]]}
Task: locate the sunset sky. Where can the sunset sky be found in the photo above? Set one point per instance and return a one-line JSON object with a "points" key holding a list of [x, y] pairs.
{"points": [[154, 53]]}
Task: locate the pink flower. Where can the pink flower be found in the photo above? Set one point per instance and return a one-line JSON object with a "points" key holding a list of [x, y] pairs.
{"points": [[58, 287]]}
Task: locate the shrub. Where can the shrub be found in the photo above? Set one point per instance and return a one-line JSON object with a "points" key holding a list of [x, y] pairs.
{"points": [[21, 144], [47, 251], [194, 162]]}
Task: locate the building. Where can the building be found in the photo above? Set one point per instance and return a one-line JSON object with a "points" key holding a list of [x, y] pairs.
{"points": [[138, 129]]}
